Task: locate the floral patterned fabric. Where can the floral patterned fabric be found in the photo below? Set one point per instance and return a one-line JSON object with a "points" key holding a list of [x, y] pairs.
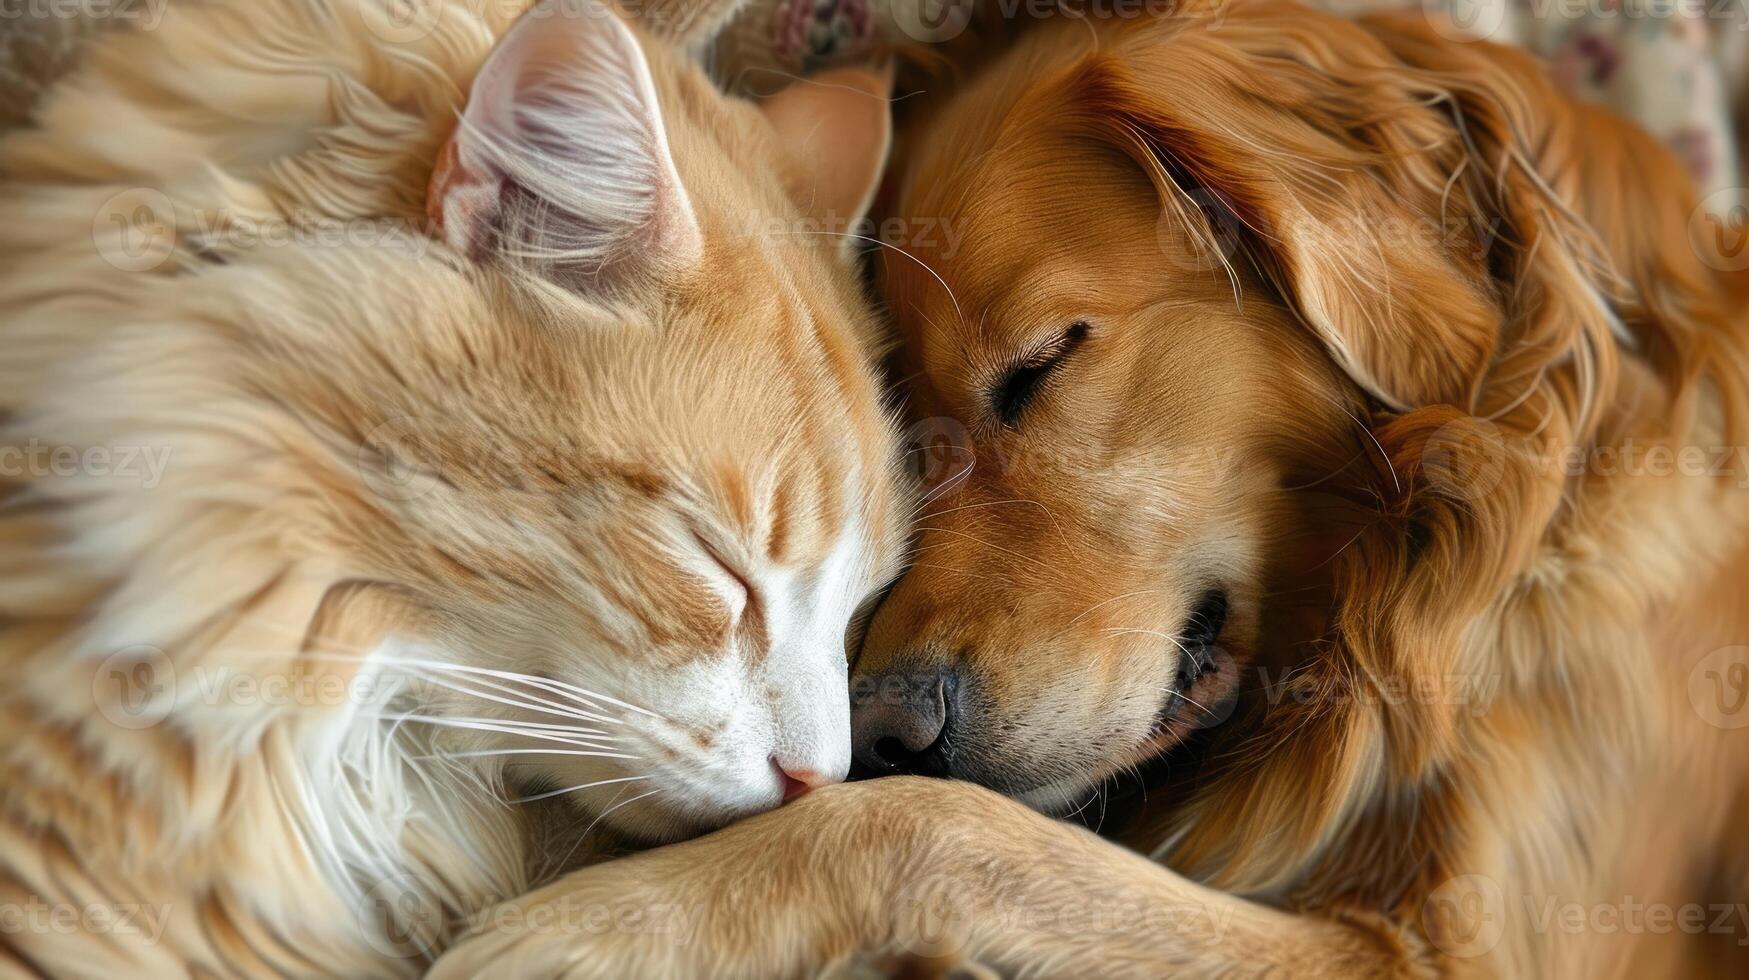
{"points": [[1677, 67], [1674, 66]]}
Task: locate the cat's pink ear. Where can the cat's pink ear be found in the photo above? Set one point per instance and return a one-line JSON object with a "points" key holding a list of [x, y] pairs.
{"points": [[560, 162], [835, 129]]}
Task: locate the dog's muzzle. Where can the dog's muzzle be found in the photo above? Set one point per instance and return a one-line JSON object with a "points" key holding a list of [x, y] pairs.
{"points": [[900, 721]]}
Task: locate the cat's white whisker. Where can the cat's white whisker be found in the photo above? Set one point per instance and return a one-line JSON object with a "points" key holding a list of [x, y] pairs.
{"points": [[433, 671], [565, 860], [484, 725], [516, 700], [603, 815], [487, 753], [549, 794], [590, 744], [592, 733], [552, 685], [419, 668], [576, 693]]}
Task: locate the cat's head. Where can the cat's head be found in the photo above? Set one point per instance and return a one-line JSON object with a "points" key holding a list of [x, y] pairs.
{"points": [[650, 474], [515, 375]]}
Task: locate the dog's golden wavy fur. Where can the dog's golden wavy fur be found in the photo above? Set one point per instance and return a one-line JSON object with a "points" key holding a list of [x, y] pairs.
{"points": [[327, 530], [1358, 327], [1452, 281]]}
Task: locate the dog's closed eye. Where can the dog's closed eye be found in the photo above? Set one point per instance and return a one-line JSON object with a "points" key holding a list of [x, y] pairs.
{"points": [[1198, 637], [1023, 381], [1204, 626]]}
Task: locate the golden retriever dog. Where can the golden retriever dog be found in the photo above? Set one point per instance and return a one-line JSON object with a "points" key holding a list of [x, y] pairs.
{"points": [[1341, 394]]}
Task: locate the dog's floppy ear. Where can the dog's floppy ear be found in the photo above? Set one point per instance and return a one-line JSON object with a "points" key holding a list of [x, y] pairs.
{"points": [[560, 161], [1480, 254], [1387, 182], [1398, 292]]}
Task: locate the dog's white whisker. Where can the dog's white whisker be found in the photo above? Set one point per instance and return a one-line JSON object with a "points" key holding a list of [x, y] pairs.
{"points": [[1091, 609], [885, 244], [1120, 630], [947, 486], [974, 538], [996, 503], [1396, 484], [1187, 698]]}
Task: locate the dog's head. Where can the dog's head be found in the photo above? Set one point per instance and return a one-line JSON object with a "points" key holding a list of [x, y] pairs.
{"points": [[1204, 386]]}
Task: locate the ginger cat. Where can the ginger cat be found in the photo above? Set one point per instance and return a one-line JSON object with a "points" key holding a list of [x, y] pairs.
{"points": [[382, 457]]}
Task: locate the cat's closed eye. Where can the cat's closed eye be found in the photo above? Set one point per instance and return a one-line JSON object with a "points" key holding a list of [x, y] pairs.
{"points": [[745, 592]]}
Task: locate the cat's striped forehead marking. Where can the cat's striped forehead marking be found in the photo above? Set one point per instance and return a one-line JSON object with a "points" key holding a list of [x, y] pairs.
{"points": [[854, 477]]}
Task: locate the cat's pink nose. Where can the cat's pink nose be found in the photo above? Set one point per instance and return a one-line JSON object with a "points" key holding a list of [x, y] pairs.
{"points": [[797, 781]]}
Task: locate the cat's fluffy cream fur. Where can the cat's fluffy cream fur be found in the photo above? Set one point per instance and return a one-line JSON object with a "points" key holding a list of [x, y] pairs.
{"points": [[287, 476]]}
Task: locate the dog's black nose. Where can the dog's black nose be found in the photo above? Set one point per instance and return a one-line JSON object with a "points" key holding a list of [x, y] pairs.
{"points": [[898, 722]]}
